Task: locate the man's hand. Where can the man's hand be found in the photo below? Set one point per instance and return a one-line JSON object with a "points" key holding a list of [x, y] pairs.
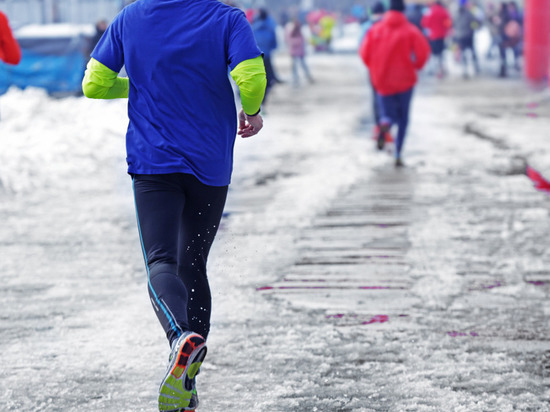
{"points": [[249, 125]]}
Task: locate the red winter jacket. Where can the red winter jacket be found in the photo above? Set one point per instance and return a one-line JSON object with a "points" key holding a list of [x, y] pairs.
{"points": [[394, 50], [437, 22], [9, 48]]}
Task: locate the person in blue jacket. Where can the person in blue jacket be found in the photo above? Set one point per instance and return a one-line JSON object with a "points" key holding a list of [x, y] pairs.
{"points": [[264, 29]]}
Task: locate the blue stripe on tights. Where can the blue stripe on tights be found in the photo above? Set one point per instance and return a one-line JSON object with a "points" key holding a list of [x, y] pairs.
{"points": [[173, 324]]}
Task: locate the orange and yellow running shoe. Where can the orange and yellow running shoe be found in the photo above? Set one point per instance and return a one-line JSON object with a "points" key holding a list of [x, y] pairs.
{"points": [[177, 391]]}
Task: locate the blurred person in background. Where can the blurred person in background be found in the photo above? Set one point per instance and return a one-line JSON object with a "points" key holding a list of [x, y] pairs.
{"points": [[327, 24], [100, 28], [437, 24], [321, 25], [264, 29], [359, 12], [510, 24], [377, 12], [465, 24], [414, 13], [250, 14], [181, 134], [296, 43], [10, 52], [394, 50], [492, 22]]}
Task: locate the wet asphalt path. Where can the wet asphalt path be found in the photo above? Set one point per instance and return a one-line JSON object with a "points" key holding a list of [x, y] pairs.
{"points": [[339, 282], [417, 289]]}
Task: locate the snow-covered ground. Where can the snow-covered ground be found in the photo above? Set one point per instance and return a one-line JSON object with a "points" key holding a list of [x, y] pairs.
{"points": [[339, 283]]}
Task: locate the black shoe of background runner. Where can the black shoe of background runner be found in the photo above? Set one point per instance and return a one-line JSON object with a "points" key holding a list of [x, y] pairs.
{"points": [[381, 138]]}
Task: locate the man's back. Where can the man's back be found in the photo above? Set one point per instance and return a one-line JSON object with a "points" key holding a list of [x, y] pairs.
{"points": [[181, 104], [393, 50], [437, 22]]}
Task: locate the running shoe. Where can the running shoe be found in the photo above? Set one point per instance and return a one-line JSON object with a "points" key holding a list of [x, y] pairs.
{"points": [[194, 401], [383, 132], [177, 391], [399, 162], [381, 139], [376, 134]]}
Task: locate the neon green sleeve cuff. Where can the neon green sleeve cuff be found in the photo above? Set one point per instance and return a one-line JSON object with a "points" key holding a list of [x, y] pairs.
{"points": [[251, 79], [100, 82]]}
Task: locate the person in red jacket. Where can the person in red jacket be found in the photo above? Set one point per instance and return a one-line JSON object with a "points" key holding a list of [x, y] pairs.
{"points": [[393, 50], [9, 48], [437, 23]]}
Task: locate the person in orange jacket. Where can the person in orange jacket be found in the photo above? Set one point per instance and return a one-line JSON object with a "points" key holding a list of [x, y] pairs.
{"points": [[394, 50], [437, 24], [10, 52]]}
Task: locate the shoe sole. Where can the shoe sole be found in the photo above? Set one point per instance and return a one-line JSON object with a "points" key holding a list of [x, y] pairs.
{"points": [[175, 390]]}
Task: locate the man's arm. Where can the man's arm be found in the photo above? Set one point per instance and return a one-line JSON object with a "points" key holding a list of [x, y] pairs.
{"points": [[251, 78], [100, 82]]}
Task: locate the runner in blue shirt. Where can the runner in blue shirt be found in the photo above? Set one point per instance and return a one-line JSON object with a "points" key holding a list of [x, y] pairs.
{"points": [[180, 138]]}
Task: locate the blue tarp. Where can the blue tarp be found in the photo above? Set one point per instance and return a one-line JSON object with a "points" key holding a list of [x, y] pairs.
{"points": [[56, 64], [53, 73]]}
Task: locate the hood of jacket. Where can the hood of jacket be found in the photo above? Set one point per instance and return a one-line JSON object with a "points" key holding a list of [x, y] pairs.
{"points": [[438, 10]]}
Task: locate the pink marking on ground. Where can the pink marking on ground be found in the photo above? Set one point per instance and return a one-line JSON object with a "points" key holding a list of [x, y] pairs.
{"points": [[264, 288], [377, 319], [531, 114], [532, 105], [496, 285], [537, 282], [540, 182]]}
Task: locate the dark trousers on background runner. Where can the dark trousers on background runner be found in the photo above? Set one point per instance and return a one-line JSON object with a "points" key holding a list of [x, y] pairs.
{"points": [[465, 44], [178, 217], [270, 76], [437, 47], [394, 109], [375, 105]]}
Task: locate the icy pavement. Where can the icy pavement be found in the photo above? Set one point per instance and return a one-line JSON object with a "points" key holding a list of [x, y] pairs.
{"points": [[339, 283]]}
